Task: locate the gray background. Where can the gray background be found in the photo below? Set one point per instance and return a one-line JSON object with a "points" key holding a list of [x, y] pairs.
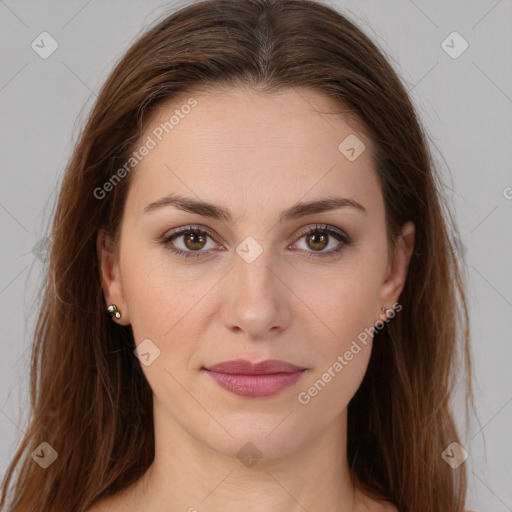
{"points": [[465, 104]]}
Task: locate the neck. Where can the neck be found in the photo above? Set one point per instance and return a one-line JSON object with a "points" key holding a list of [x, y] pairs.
{"points": [[193, 476]]}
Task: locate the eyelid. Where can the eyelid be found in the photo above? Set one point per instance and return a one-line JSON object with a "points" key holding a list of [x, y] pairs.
{"points": [[191, 227], [325, 227]]}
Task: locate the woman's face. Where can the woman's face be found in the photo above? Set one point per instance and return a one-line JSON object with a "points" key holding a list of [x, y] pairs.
{"points": [[254, 286]]}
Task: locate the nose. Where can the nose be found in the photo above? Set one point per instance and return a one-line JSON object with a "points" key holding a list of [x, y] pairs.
{"points": [[256, 299]]}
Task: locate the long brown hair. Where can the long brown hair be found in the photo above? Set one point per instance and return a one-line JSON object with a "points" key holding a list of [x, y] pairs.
{"points": [[89, 398]]}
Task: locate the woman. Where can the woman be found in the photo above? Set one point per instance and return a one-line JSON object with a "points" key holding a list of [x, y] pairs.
{"points": [[251, 297]]}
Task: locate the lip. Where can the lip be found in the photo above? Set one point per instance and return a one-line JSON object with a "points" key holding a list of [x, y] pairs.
{"points": [[244, 367], [256, 380]]}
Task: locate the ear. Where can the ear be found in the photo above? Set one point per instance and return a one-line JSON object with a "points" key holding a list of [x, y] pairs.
{"points": [[108, 263], [396, 270]]}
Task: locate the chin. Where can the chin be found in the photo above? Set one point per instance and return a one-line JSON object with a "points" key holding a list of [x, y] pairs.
{"points": [[251, 449]]}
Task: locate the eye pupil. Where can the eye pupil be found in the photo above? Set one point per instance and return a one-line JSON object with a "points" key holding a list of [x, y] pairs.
{"points": [[192, 238], [318, 239]]}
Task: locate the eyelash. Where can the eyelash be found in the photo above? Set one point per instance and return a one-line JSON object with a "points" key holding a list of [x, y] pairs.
{"points": [[338, 235]]}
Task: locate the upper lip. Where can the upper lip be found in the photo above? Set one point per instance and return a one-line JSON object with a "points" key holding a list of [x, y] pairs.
{"points": [[244, 367]]}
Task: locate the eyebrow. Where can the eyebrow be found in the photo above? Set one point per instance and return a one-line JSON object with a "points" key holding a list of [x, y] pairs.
{"points": [[297, 211]]}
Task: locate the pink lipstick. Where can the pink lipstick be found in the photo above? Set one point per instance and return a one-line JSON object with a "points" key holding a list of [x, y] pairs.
{"points": [[256, 380]]}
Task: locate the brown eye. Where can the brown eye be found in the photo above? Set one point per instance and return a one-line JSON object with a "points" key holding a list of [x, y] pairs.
{"points": [[194, 240], [189, 242], [317, 241]]}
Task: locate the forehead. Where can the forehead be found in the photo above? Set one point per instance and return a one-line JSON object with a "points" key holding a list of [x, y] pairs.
{"points": [[224, 144]]}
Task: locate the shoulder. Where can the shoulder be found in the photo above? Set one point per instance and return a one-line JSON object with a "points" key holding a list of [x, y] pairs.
{"points": [[377, 505], [110, 504], [100, 507], [388, 507], [120, 501]]}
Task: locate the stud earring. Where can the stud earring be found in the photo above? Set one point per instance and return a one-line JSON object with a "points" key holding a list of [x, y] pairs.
{"points": [[113, 312]]}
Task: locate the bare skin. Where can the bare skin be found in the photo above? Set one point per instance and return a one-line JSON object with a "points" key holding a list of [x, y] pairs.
{"points": [[254, 155]]}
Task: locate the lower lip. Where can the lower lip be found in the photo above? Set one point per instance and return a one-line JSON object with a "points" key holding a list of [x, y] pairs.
{"points": [[256, 386]]}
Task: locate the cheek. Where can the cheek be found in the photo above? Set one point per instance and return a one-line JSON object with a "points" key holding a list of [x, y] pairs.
{"points": [[163, 306], [341, 352], [162, 311], [158, 292], [344, 302], [169, 305], [352, 305]]}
